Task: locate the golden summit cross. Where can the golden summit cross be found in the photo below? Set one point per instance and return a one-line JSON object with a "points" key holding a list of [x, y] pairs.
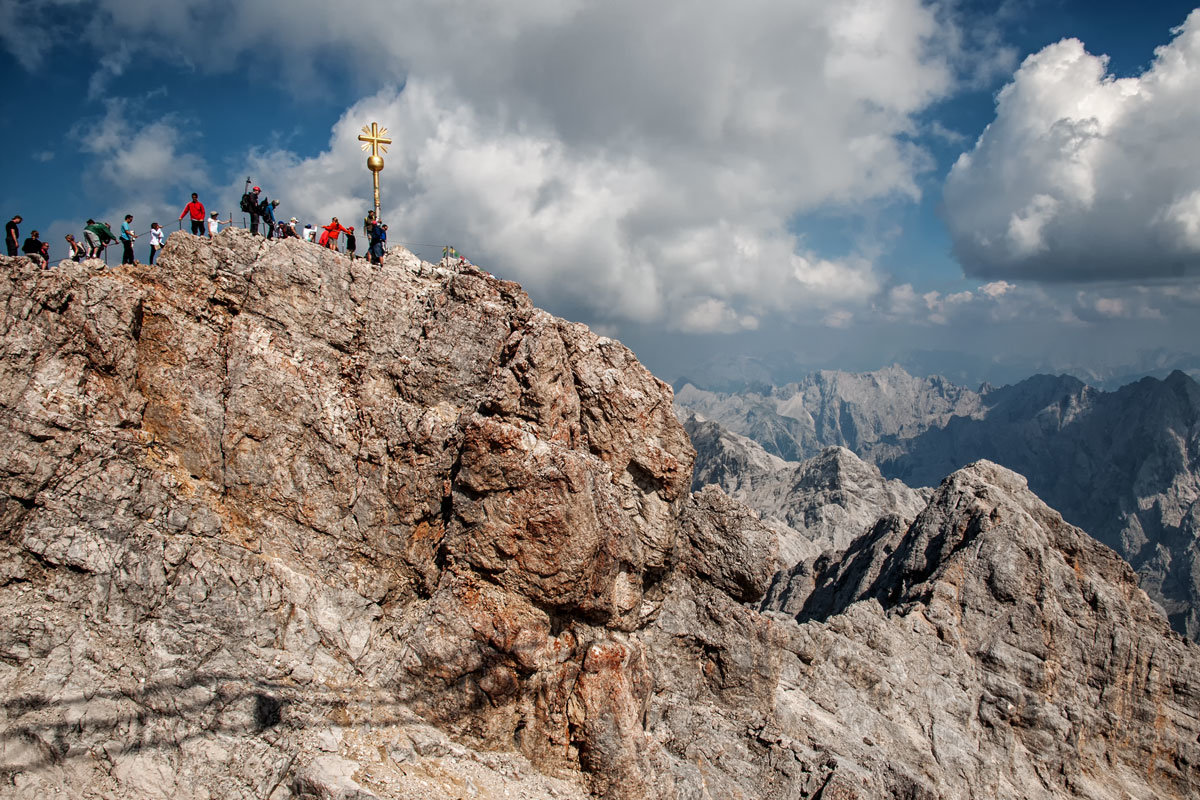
{"points": [[375, 139]]}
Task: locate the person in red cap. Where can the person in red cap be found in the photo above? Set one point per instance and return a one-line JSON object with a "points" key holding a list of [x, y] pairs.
{"points": [[351, 242], [195, 210]]}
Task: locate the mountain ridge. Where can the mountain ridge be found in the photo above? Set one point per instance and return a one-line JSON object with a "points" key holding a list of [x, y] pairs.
{"points": [[1123, 465], [280, 524]]}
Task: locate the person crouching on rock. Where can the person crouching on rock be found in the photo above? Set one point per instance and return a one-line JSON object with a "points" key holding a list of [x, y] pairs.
{"points": [[92, 239], [32, 248], [101, 234]]}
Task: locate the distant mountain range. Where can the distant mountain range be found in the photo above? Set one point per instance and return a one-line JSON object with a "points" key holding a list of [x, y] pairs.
{"points": [[742, 373], [1123, 465]]}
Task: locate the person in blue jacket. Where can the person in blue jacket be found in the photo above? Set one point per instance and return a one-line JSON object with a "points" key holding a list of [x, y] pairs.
{"points": [[378, 242]]}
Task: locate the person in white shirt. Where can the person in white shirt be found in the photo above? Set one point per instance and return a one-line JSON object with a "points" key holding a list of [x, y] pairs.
{"points": [[214, 224], [156, 240]]}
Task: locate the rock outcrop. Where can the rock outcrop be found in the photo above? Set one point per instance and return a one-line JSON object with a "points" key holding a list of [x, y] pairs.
{"points": [[281, 525], [1009, 649], [263, 504], [820, 504]]}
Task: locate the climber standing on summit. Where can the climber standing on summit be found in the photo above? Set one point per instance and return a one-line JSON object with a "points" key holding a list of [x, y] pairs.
{"points": [[330, 237], [127, 237], [12, 235], [194, 210], [250, 205], [266, 210], [378, 242]]}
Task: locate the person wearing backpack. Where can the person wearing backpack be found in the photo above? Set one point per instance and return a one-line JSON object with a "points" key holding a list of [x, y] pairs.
{"points": [[78, 251], [266, 210], [378, 242], [250, 205]]}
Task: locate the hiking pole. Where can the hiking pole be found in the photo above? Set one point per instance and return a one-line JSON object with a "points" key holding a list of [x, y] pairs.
{"points": [[245, 189]]}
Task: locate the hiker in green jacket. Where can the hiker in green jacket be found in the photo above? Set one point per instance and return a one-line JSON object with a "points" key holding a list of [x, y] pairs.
{"points": [[103, 235]]}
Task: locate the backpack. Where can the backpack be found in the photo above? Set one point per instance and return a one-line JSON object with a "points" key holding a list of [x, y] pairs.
{"points": [[248, 203]]}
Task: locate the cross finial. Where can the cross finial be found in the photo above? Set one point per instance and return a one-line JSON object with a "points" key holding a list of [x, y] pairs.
{"points": [[374, 138]]}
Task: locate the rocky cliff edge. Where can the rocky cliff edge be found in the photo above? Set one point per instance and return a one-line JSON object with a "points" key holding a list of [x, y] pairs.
{"points": [[278, 524]]}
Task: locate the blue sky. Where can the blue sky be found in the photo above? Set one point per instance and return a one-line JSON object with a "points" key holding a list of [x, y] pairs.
{"points": [[793, 185]]}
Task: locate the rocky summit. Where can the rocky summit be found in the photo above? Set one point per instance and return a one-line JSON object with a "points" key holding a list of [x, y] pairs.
{"points": [[279, 524]]}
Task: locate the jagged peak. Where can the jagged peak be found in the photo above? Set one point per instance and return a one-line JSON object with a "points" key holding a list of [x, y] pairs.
{"points": [[977, 512]]}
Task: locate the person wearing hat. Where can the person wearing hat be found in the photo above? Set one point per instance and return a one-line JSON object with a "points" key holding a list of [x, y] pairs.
{"points": [[214, 224], [157, 237], [351, 242], [288, 229]]}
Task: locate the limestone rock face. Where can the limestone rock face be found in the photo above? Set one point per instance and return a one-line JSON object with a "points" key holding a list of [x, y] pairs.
{"points": [[819, 504], [281, 525], [1033, 638], [266, 509], [986, 650]]}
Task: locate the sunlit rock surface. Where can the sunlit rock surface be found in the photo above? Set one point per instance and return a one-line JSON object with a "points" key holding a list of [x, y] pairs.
{"points": [[280, 525]]}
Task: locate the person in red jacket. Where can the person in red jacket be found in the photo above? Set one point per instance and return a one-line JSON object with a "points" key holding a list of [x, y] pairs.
{"points": [[330, 237], [195, 210]]}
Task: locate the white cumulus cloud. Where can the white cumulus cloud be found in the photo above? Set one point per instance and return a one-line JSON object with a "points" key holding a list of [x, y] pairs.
{"points": [[1083, 176], [634, 161]]}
